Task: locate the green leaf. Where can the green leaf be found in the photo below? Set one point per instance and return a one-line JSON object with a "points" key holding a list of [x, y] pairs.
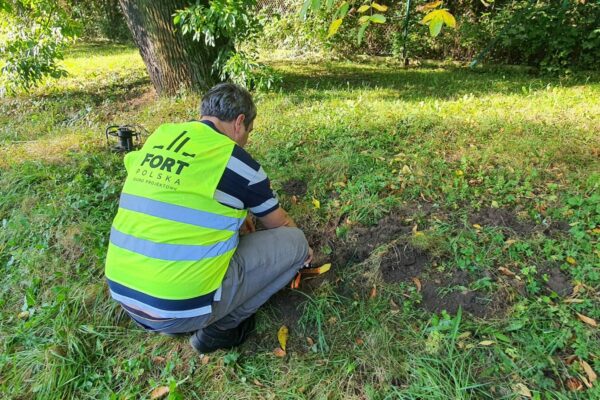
{"points": [[342, 10], [333, 28], [177, 19], [379, 7], [377, 18], [435, 26], [430, 16], [364, 19], [361, 32], [449, 19], [305, 8], [363, 8], [329, 4]]}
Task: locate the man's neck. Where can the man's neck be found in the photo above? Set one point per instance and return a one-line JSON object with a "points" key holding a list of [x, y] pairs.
{"points": [[218, 124]]}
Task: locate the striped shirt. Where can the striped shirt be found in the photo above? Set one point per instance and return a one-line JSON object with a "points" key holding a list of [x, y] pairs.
{"points": [[244, 184]]}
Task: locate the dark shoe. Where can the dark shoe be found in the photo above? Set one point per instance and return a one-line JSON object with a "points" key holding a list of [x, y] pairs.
{"points": [[211, 338]]}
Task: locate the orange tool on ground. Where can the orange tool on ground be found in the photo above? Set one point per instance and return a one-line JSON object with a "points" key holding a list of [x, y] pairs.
{"points": [[309, 271]]}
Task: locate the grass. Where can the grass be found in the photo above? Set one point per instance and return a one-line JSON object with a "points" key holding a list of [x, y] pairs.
{"points": [[435, 144]]}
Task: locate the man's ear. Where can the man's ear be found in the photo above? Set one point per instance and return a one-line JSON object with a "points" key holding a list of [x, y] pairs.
{"points": [[239, 121]]}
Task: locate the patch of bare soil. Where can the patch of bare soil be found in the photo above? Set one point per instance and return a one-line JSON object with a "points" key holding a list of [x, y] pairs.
{"points": [[361, 241], [452, 291], [402, 263], [501, 218], [294, 187], [557, 280]]}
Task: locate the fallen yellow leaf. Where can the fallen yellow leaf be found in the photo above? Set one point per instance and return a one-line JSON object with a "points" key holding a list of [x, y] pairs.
{"points": [[486, 343], [522, 390], [316, 203], [309, 341], [159, 392], [294, 199], [571, 260], [587, 320], [373, 293], [359, 341], [282, 336], [257, 383], [23, 315], [592, 377], [459, 172], [464, 335], [205, 360], [279, 352], [568, 301], [406, 170], [477, 226], [506, 271], [417, 283]]}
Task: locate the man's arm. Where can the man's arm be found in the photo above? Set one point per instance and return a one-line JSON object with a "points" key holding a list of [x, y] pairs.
{"points": [[276, 219]]}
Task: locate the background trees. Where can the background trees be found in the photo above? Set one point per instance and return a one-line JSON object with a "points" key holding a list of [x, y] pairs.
{"points": [[192, 44]]}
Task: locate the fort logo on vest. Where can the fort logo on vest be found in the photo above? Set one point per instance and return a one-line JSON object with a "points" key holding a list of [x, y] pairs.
{"points": [[165, 170]]}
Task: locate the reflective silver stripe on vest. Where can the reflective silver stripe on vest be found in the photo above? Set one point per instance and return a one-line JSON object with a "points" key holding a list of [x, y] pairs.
{"points": [[157, 311], [171, 252], [177, 213]]}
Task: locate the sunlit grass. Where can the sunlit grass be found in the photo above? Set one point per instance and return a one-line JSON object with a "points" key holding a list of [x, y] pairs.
{"points": [[368, 139]]}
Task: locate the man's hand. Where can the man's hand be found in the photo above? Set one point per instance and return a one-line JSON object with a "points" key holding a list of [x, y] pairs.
{"points": [[248, 225], [310, 257]]}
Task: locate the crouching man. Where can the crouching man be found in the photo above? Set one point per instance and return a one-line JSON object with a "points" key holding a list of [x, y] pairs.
{"points": [[176, 261]]}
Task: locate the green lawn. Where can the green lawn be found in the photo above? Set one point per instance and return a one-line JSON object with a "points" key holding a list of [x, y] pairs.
{"points": [[437, 187]]}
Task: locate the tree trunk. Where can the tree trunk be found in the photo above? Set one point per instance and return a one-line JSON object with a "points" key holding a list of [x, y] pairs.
{"points": [[173, 61]]}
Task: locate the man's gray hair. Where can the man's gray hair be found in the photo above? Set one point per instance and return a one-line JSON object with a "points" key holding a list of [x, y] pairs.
{"points": [[226, 101]]}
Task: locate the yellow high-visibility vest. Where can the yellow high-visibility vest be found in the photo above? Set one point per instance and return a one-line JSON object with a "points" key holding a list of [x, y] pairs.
{"points": [[171, 242]]}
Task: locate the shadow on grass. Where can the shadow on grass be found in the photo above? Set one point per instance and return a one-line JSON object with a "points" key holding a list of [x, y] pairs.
{"points": [[98, 48], [417, 84], [95, 95]]}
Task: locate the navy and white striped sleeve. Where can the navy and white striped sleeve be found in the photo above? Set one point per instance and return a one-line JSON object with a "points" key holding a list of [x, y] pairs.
{"points": [[245, 185]]}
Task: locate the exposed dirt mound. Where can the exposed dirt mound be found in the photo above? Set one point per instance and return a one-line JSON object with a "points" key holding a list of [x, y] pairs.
{"points": [[451, 292], [287, 307], [403, 262], [363, 240], [558, 281], [294, 187], [501, 218]]}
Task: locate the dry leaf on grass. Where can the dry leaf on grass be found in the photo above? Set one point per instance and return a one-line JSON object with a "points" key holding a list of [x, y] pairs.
{"points": [[310, 341], [574, 384], [159, 392], [279, 352], [506, 271], [417, 283], [587, 320], [523, 390], [464, 335], [373, 293], [571, 261], [359, 341], [592, 377], [316, 203], [205, 359], [486, 343], [569, 301], [282, 336], [257, 383]]}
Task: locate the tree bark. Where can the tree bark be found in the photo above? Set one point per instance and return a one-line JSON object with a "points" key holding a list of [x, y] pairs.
{"points": [[173, 61]]}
